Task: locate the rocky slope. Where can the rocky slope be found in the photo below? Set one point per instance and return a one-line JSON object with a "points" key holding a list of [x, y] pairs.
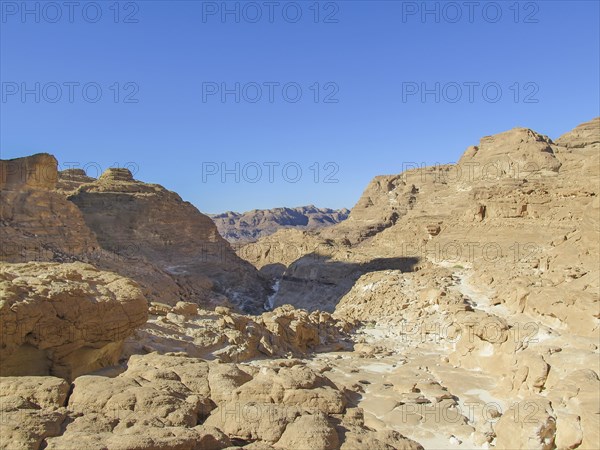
{"points": [[258, 223], [120, 224], [188, 379], [519, 209], [503, 246], [158, 226], [463, 313]]}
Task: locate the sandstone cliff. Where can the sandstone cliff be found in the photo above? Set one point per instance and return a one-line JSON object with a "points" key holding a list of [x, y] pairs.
{"points": [[117, 223], [464, 313], [482, 277], [159, 227], [516, 209]]}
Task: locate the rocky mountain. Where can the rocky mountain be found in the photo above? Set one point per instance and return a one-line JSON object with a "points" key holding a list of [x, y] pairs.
{"points": [[252, 225], [139, 230], [517, 180], [501, 248]]}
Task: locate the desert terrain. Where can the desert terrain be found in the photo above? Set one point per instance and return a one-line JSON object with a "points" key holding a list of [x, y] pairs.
{"points": [[456, 307]]}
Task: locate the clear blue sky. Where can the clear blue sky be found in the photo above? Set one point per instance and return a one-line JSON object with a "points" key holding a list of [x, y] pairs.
{"points": [[364, 50]]}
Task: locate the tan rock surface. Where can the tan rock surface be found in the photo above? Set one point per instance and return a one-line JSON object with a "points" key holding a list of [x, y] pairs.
{"points": [[32, 409], [231, 337], [175, 402], [170, 233], [64, 319], [139, 230], [37, 171], [504, 284]]}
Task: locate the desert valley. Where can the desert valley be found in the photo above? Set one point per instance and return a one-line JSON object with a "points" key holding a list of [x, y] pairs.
{"points": [[455, 306]]}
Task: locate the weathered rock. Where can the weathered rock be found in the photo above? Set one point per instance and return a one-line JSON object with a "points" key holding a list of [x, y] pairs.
{"points": [[491, 264], [477, 285], [585, 135], [232, 337], [529, 425], [65, 319], [138, 230], [174, 402], [170, 233], [37, 171], [69, 180], [321, 436], [32, 409]]}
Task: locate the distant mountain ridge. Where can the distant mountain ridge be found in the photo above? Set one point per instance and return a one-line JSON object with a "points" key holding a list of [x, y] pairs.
{"points": [[252, 225]]}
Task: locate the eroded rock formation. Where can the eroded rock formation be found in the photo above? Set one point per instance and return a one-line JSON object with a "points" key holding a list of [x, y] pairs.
{"points": [[119, 224], [65, 319], [149, 222], [503, 282]]}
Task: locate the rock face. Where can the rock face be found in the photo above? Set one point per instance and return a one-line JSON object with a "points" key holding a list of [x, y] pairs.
{"points": [[157, 226], [65, 319], [32, 409], [258, 223], [70, 179], [174, 402], [584, 135], [518, 209], [37, 171], [503, 279], [516, 154], [116, 223]]}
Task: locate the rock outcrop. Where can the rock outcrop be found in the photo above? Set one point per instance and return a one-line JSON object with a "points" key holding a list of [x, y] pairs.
{"points": [[69, 180], [116, 223], [519, 209], [249, 226], [584, 135], [32, 409], [462, 308], [174, 402], [157, 226], [503, 282], [37, 171], [229, 337], [65, 319]]}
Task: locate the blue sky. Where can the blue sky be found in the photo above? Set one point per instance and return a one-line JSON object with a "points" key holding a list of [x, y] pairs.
{"points": [[360, 67]]}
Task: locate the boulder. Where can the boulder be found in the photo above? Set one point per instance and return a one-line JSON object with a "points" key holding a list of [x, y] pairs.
{"points": [[65, 319]]}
